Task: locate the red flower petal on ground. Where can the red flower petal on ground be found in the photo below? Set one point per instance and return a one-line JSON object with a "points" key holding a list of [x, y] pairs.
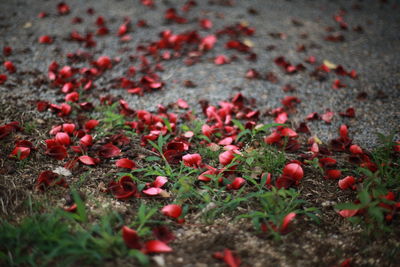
{"points": [[206, 24], [68, 127], [9, 66], [7, 50], [152, 191], [284, 181], [293, 170], [228, 257], [355, 149], [205, 176], [131, 238], [63, 8], [333, 174], [104, 62], [124, 188], [49, 178], [327, 116], [163, 234], [337, 84], [346, 182], [172, 210], [348, 213], [125, 163], [192, 160], [325, 162], [182, 103], [160, 181], [273, 138], [3, 78], [156, 246], [63, 138], [237, 183], [20, 152], [226, 157], [109, 151], [206, 130], [72, 97], [221, 60], [281, 118], [86, 140], [45, 39], [87, 160], [290, 101], [343, 131], [312, 116], [286, 221], [350, 112], [208, 42], [58, 152]]}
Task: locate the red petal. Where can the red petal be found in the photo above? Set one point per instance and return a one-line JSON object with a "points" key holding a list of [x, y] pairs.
{"points": [[285, 182], [131, 238], [206, 24], [68, 127], [355, 149], [152, 191], [87, 160], [91, 124], [208, 42], [237, 183], [63, 138], [124, 188], [156, 246], [21, 152], [294, 171], [226, 157], [109, 151], [327, 116], [57, 151], [172, 210], [182, 104], [160, 181], [125, 163], [346, 182], [163, 234], [286, 221], [45, 39], [192, 160], [86, 140], [348, 213], [333, 174], [221, 59]]}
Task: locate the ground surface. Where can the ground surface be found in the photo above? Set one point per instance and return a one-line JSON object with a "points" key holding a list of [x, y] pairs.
{"points": [[375, 95]]}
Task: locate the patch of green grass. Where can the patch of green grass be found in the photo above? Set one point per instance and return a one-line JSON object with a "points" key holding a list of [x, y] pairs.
{"points": [[53, 239], [375, 186], [274, 205]]}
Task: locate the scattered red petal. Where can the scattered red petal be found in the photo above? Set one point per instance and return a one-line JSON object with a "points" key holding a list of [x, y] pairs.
{"points": [[131, 238], [346, 182], [172, 210], [156, 246], [125, 163]]}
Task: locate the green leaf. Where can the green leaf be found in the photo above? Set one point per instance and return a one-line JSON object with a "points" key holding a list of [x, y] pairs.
{"points": [[239, 125], [152, 158], [364, 197], [250, 160], [80, 206], [348, 206], [268, 126], [376, 213], [142, 258]]}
